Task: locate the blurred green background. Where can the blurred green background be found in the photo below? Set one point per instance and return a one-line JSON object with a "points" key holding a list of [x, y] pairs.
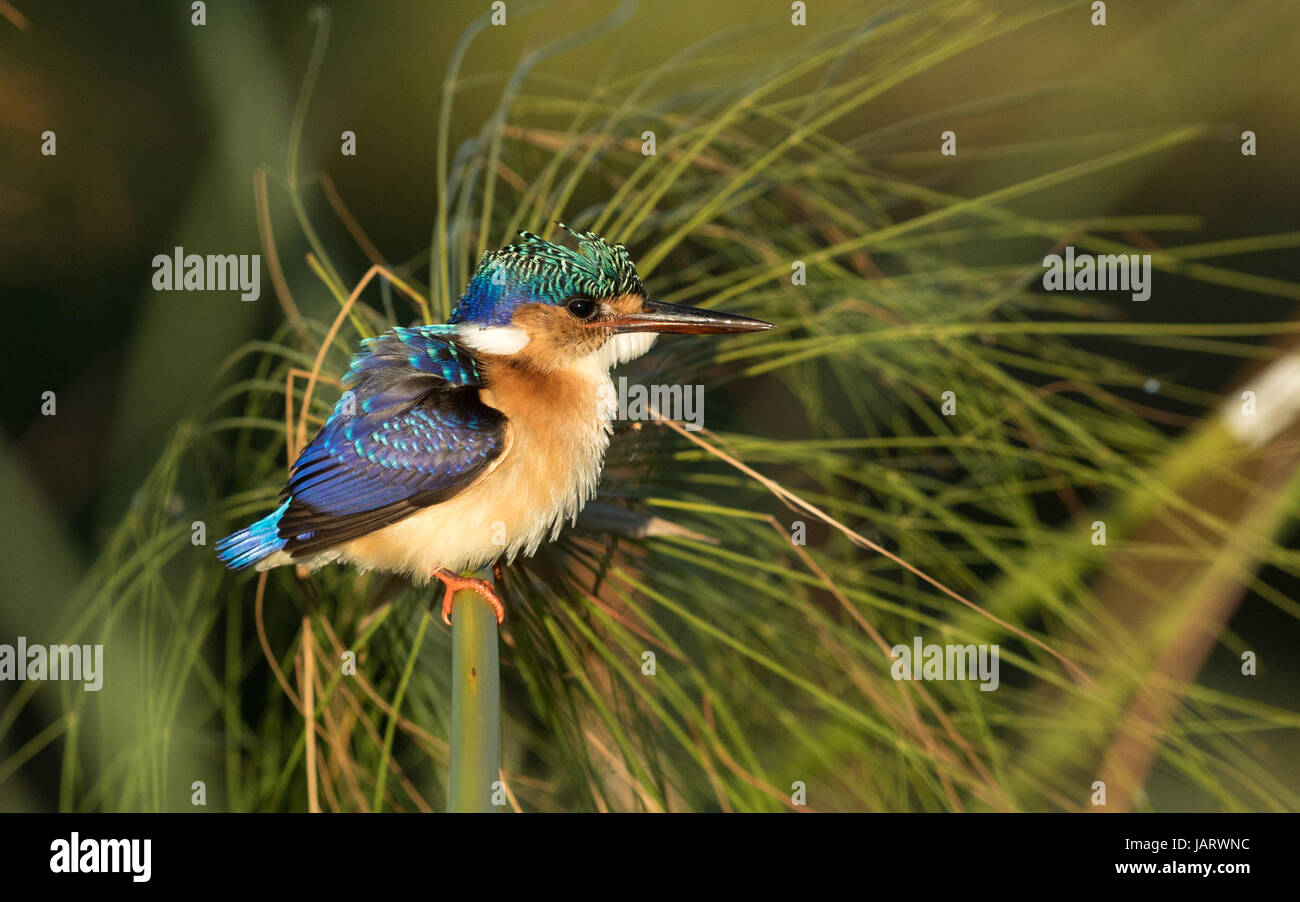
{"points": [[161, 125]]}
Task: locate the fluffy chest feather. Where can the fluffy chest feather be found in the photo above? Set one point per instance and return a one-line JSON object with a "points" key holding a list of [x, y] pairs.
{"points": [[557, 432]]}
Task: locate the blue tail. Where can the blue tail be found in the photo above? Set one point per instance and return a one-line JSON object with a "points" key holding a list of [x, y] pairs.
{"points": [[252, 543]]}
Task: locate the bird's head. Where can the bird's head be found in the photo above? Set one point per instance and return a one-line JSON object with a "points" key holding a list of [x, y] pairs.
{"points": [[551, 306]]}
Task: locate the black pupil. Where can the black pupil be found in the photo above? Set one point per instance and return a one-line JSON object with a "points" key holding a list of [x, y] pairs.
{"points": [[582, 307]]}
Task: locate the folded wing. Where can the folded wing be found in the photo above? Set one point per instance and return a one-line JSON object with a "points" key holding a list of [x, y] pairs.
{"points": [[410, 432]]}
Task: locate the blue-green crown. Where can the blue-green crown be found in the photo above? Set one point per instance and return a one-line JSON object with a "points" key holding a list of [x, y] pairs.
{"points": [[535, 271]]}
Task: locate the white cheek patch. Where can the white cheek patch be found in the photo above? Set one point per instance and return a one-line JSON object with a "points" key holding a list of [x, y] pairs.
{"points": [[503, 340]]}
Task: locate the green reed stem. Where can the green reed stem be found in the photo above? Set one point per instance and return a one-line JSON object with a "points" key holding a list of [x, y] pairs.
{"points": [[475, 705]]}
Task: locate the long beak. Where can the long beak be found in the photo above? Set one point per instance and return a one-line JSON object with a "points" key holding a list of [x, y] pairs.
{"points": [[656, 316]]}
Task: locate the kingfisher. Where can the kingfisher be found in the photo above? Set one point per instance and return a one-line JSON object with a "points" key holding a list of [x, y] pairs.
{"points": [[463, 443]]}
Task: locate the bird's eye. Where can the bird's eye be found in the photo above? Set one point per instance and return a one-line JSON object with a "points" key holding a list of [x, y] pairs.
{"points": [[582, 307]]}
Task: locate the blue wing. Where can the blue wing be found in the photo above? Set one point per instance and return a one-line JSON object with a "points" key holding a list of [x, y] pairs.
{"points": [[411, 431]]}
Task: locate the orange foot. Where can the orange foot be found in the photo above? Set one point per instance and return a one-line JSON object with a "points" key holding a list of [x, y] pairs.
{"points": [[455, 582]]}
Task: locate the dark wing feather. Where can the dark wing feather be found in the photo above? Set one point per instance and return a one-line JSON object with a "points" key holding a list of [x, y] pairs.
{"points": [[410, 432]]}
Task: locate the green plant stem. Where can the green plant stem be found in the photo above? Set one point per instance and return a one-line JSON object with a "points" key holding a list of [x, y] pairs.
{"points": [[475, 705]]}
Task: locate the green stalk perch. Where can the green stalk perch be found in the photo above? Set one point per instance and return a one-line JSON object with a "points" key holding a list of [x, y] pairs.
{"points": [[475, 705]]}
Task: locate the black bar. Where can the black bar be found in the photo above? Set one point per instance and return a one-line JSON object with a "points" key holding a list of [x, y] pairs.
{"points": [[873, 852]]}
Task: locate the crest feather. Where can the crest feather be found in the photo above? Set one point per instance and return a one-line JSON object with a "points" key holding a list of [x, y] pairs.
{"points": [[535, 270]]}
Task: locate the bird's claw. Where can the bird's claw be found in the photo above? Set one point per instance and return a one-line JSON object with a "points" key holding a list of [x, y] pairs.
{"points": [[455, 582]]}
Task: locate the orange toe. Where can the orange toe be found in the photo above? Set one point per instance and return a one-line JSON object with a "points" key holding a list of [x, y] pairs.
{"points": [[455, 583]]}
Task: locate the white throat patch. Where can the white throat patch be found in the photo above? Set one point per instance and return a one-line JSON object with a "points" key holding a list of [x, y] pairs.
{"points": [[625, 347]]}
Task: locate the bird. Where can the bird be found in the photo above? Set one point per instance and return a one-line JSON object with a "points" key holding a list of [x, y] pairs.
{"points": [[456, 445]]}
